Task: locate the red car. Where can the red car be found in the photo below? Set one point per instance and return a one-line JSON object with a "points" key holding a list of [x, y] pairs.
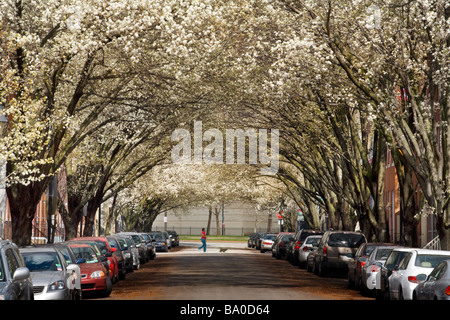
{"points": [[107, 251], [94, 277]]}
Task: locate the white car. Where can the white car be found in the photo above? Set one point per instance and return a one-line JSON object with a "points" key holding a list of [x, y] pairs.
{"points": [[267, 242], [419, 261], [307, 246]]}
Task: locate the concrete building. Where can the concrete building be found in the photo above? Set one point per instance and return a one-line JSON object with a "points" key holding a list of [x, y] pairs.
{"points": [[236, 218]]}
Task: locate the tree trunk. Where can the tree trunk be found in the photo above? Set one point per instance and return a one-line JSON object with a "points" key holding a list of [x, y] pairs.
{"points": [[23, 201]]}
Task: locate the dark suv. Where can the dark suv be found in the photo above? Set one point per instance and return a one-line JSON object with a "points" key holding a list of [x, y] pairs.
{"points": [[335, 250], [15, 280]]}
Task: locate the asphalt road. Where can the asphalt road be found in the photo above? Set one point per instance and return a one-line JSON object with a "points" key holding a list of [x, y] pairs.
{"points": [[240, 273]]}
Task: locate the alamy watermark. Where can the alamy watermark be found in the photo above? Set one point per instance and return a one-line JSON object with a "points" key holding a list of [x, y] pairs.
{"points": [[215, 153]]}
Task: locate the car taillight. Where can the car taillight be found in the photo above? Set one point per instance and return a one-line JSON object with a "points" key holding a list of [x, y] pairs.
{"points": [[306, 249], [413, 279], [324, 251], [374, 268], [447, 291], [297, 245], [267, 242]]}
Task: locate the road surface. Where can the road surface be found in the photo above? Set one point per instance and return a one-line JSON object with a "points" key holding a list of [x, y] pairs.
{"points": [[239, 273]]}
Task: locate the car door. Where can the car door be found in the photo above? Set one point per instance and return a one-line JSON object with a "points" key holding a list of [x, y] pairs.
{"points": [[18, 286], [396, 277], [430, 285]]}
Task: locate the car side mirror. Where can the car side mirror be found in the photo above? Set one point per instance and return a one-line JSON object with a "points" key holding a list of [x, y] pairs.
{"points": [[21, 273]]}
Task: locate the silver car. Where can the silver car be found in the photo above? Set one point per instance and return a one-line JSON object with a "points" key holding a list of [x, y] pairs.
{"points": [[419, 261], [15, 280], [52, 278], [267, 242], [436, 286], [307, 246]]}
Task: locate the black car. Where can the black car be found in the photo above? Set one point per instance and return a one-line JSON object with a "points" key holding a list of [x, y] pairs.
{"points": [[281, 243], [174, 238], [15, 280], [147, 240]]}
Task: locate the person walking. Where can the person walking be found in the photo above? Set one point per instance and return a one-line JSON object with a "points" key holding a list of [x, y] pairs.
{"points": [[203, 240]]}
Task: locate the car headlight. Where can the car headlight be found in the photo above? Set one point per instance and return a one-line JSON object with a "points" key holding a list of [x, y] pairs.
{"points": [[97, 274], [57, 285], [127, 255]]}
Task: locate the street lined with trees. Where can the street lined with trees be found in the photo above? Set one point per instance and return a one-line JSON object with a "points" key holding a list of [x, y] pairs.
{"points": [[93, 90]]}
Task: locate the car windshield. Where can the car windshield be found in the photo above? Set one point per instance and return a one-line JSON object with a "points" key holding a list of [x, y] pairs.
{"points": [[102, 246], [85, 253], [429, 260], [145, 236], [382, 254], [313, 241], [136, 239], [270, 237], [157, 236], [345, 240], [42, 261], [286, 237]]}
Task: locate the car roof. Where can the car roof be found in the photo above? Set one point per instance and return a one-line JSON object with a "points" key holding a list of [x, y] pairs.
{"points": [[38, 249]]}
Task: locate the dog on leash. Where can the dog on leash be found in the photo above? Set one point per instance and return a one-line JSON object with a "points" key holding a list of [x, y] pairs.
{"points": [[223, 249]]}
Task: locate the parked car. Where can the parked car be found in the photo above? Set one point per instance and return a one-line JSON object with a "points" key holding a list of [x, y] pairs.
{"points": [[150, 253], [52, 278], [167, 237], [307, 246], [117, 250], [259, 239], [134, 250], [311, 258], [160, 241], [252, 239], [370, 273], [356, 264], [15, 279], [174, 238], [127, 252], [279, 248], [386, 270], [139, 245], [104, 260], [299, 237], [335, 250], [106, 251], [267, 242], [436, 286], [419, 261], [94, 277], [69, 255]]}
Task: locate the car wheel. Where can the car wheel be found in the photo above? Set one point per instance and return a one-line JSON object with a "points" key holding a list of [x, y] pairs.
{"points": [[108, 289]]}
